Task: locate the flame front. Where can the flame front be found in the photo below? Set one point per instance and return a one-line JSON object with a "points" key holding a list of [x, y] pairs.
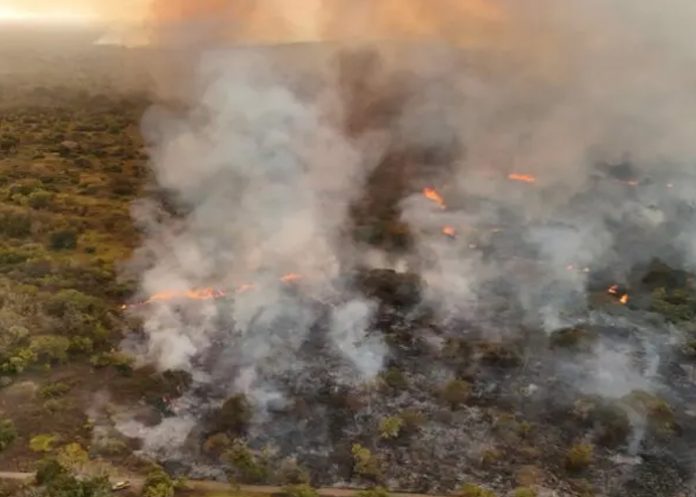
{"points": [[291, 277], [432, 195], [616, 292], [449, 231], [624, 299], [524, 178]]}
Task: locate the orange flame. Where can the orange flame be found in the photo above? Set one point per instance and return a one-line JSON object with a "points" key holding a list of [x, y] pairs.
{"points": [[449, 231], [432, 195], [524, 178], [615, 291], [291, 277], [246, 287]]}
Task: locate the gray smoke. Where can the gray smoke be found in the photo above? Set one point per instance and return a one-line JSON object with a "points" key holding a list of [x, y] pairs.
{"points": [[260, 160]]}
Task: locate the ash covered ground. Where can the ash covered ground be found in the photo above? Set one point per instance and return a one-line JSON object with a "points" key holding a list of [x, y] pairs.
{"points": [[422, 265]]}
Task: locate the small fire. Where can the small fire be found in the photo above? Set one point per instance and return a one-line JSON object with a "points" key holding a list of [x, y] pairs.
{"points": [[432, 195], [291, 277], [246, 287], [194, 294], [449, 231], [631, 182], [524, 178], [616, 292]]}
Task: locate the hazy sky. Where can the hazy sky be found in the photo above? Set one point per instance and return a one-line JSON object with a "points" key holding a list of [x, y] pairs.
{"points": [[71, 10]]}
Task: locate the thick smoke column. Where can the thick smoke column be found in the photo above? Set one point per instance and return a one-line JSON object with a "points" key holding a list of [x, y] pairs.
{"points": [[267, 149]]}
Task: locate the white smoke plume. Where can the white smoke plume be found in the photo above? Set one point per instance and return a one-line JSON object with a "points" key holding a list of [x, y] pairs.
{"points": [[267, 148]]}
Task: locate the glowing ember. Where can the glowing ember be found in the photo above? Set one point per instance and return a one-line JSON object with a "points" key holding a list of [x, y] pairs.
{"points": [[524, 178], [617, 292], [194, 294], [449, 231], [291, 277], [246, 287], [631, 182], [432, 195]]}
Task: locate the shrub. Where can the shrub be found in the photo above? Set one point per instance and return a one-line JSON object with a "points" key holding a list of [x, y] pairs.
{"points": [[579, 457], [50, 348], [40, 199], [456, 392], [246, 467], [301, 490], [43, 442], [390, 427], [15, 225], [365, 463], [8, 433], [471, 490], [524, 492], [234, 415], [373, 492], [72, 455], [158, 484], [63, 240], [394, 378]]}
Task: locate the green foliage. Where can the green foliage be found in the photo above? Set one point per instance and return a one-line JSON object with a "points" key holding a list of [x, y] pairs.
{"points": [[72, 456], [234, 415], [365, 463], [40, 199], [50, 348], [43, 442], [245, 465], [158, 484], [15, 224], [117, 359], [675, 305], [301, 490], [390, 427], [19, 361], [63, 240], [524, 492], [579, 457], [374, 492], [8, 433], [456, 392], [394, 379], [658, 412], [471, 490], [59, 482]]}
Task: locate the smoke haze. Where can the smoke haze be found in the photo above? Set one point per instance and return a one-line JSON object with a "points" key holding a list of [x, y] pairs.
{"points": [[268, 148]]}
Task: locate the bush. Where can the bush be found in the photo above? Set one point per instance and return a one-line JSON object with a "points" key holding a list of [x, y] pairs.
{"points": [[579, 457], [50, 348], [234, 415], [456, 392], [246, 467], [394, 379], [365, 464], [15, 225], [63, 240], [43, 442], [158, 484], [40, 199], [373, 492], [471, 490], [58, 482], [390, 427], [8, 433], [301, 490], [524, 492], [72, 455]]}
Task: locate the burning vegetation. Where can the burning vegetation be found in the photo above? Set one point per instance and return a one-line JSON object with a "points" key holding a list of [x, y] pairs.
{"points": [[310, 313]]}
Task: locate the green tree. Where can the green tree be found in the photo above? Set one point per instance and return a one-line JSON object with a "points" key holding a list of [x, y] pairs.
{"points": [[50, 348], [8, 433], [158, 484]]}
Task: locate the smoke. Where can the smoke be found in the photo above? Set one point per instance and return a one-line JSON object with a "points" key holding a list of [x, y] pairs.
{"points": [[267, 149]]}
